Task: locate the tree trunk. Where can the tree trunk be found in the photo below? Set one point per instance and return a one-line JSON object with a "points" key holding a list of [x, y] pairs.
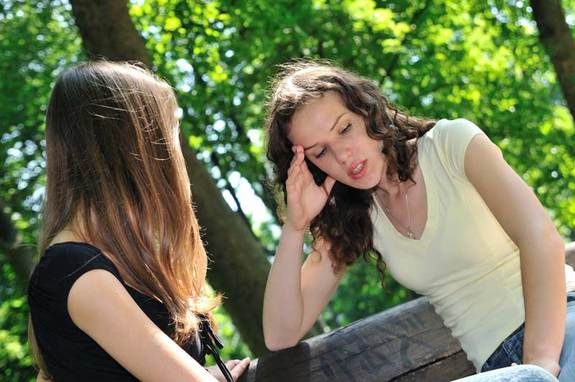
{"points": [[239, 267], [556, 37], [21, 257], [107, 31]]}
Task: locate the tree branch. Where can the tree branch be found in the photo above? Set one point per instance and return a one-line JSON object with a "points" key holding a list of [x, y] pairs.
{"points": [[556, 38]]}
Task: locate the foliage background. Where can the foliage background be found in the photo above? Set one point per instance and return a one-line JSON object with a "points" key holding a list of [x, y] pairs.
{"points": [[439, 58]]}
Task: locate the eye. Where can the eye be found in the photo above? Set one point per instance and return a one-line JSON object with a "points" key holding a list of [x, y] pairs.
{"points": [[320, 154], [346, 129]]}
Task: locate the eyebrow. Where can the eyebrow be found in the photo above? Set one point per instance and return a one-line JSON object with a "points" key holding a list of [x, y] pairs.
{"points": [[333, 127]]}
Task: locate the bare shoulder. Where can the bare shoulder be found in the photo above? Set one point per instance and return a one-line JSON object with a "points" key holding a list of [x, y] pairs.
{"points": [[509, 198], [100, 305], [481, 156], [94, 291]]}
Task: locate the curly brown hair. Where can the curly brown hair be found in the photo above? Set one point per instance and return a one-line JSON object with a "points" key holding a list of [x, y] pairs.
{"points": [[345, 221]]}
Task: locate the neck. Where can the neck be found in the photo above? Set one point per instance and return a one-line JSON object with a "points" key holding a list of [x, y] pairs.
{"points": [[389, 187], [394, 187], [64, 236]]}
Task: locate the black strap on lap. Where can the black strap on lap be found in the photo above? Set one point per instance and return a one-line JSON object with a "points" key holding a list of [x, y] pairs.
{"points": [[211, 343]]}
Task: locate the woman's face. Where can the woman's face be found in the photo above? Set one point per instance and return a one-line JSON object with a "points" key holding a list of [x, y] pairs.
{"points": [[336, 141]]}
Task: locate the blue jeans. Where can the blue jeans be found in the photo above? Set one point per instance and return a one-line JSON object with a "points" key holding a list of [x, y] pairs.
{"points": [[511, 349], [519, 373]]}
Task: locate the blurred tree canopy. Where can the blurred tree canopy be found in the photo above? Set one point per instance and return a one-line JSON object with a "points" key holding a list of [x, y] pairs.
{"points": [[478, 59]]}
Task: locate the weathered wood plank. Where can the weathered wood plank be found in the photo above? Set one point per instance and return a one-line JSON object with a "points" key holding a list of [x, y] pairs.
{"points": [[444, 370], [382, 347], [404, 344]]}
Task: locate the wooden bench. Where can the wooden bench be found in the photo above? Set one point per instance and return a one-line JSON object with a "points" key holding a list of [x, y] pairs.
{"points": [[405, 343]]}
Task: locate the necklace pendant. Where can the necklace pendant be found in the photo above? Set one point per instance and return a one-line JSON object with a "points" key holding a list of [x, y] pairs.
{"points": [[410, 234]]}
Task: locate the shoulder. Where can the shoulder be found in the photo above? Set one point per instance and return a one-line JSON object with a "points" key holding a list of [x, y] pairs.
{"points": [[65, 259], [450, 139], [454, 131], [62, 264], [95, 292], [100, 306]]}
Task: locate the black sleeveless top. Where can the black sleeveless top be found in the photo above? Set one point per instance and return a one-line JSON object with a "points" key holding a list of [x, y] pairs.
{"points": [[69, 353]]}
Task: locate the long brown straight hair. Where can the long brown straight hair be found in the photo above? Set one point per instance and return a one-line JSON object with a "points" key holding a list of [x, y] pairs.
{"points": [[116, 173]]}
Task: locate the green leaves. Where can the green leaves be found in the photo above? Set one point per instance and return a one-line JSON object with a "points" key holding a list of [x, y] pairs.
{"points": [[442, 59]]}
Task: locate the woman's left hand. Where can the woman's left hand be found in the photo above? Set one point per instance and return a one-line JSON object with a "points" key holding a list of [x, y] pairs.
{"points": [[547, 364], [235, 366]]}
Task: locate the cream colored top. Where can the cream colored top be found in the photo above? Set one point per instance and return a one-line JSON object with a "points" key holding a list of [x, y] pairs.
{"points": [[464, 262]]}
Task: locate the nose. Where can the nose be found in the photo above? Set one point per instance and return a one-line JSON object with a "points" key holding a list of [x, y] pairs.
{"points": [[343, 155]]}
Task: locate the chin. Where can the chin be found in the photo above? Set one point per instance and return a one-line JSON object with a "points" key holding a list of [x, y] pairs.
{"points": [[362, 185], [368, 187]]}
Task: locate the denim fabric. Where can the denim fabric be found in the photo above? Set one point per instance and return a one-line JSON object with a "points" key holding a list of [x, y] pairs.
{"points": [[519, 373], [511, 349]]}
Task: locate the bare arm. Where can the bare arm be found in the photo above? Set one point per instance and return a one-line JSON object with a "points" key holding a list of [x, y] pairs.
{"points": [[100, 305], [296, 294], [541, 249]]}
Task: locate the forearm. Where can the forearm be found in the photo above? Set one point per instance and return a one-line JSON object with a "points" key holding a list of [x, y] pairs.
{"points": [[543, 275], [283, 302]]}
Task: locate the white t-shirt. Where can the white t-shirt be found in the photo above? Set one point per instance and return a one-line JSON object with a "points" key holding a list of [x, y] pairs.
{"points": [[464, 262]]}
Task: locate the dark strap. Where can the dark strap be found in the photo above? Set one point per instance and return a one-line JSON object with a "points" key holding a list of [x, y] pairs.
{"points": [[211, 344]]}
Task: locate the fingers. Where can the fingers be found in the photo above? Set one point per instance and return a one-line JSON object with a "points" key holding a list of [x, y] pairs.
{"points": [[232, 363], [297, 152], [238, 367], [298, 169], [298, 156], [298, 165], [296, 160]]}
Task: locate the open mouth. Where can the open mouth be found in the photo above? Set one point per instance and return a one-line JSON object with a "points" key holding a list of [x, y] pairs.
{"points": [[358, 170]]}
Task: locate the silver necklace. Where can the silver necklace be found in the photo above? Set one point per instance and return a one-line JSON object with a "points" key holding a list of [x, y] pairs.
{"points": [[408, 230]]}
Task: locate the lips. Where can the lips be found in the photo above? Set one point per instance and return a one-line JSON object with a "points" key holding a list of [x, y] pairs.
{"points": [[357, 170]]}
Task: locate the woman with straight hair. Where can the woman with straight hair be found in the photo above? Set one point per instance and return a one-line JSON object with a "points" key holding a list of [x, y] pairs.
{"points": [[434, 201], [119, 293]]}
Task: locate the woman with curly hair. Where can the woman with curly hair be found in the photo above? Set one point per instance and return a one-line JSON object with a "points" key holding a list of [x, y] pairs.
{"points": [[434, 200]]}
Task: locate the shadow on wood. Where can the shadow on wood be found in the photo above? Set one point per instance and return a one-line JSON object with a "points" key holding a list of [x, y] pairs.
{"points": [[405, 343]]}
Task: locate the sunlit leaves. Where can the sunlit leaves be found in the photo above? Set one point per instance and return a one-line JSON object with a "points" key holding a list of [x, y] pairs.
{"points": [[36, 44], [441, 59], [172, 23], [436, 58]]}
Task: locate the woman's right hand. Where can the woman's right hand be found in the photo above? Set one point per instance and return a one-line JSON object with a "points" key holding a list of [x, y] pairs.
{"points": [[305, 199], [235, 366]]}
